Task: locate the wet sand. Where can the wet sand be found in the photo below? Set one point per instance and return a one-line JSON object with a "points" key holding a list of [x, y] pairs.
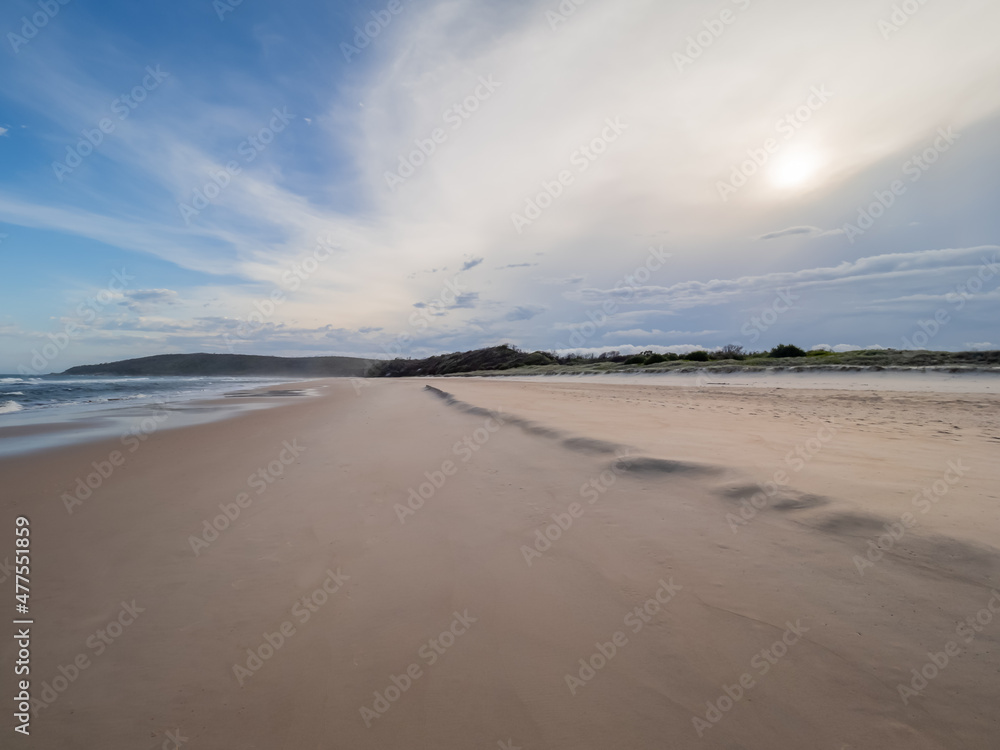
{"points": [[539, 565]]}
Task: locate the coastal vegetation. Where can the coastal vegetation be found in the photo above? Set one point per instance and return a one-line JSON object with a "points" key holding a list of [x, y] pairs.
{"points": [[509, 360]]}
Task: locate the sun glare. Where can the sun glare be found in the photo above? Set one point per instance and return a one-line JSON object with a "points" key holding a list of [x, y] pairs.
{"points": [[795, 169]]}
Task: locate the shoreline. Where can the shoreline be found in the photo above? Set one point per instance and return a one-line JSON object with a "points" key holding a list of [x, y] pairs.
{"points": [[53, 427]]}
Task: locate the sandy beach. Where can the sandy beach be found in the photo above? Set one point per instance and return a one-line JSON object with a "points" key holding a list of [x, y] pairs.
{"points": [[489, 563]]}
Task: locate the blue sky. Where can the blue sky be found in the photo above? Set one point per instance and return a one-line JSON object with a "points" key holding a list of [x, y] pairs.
{"points": [[396, 177]]}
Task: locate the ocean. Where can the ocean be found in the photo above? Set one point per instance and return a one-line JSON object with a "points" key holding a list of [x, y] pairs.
{"points": [[34, 393], [48, 410]]}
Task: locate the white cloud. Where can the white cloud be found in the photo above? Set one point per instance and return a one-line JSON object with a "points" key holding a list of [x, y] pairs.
{"points": [[638, 333]]}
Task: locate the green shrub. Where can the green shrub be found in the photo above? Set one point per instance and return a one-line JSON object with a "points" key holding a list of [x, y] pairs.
{"points": [[786, 350], [730, 351], [537, 358], [698, 356]]}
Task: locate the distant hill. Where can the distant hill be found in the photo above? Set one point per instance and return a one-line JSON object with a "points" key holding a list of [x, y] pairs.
{"points": [[229, 364]]}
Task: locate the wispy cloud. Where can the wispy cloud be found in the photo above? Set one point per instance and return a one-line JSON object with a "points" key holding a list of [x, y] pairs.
{"points": [[806, 231], [524, 313], [888, 270], [140, 300], [564, 281]]}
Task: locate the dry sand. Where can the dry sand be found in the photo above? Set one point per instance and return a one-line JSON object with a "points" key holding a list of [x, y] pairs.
{"points": [[778, 597]]}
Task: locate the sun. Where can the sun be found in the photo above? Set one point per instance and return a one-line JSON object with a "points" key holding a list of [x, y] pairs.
{"points": [[796, 168]]}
